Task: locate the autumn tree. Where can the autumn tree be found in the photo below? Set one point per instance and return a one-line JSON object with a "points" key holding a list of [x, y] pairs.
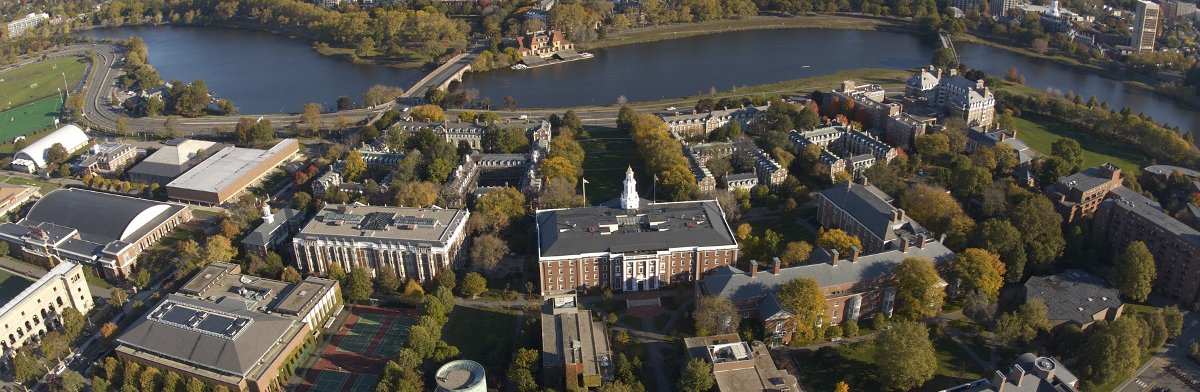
{"points": [[715, 316], [310, 116], [795, 253], [290, 275], [937, 211], [803, 298], [1024, 324], [57, 154], [697, 376], [429, 113], [1135, 271], [499, 208], [1041, 230], [918, 292], [909, 355], [473, 284], [1000, 237], [981, 271], [559, 168], [218, 249], [354, 167], [839, 240], [417, 194], [486, 252]]}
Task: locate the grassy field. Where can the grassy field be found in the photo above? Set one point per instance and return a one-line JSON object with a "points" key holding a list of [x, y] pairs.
{"points": [[681, 30], [609, 153], [855, 364], [30, 118], [11, 284], [482, 335], [38, 80], [1039, 132]]}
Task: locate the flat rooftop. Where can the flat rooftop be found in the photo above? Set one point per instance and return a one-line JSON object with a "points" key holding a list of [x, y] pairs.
{"points": [[227, 166], [432, 226], [653, 227], [221, 281]]}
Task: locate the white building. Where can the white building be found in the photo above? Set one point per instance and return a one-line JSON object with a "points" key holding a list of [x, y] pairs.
{"points": [[18, 27], [34, 157], [38, 309], [1145, 26], [955, 95]]}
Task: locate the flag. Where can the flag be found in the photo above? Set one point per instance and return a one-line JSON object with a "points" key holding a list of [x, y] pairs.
{"points": [[585, 181], [655, 178]]}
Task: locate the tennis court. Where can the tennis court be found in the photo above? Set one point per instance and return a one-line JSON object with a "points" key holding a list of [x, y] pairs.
{"points": [[330, 381], [359, 336], [395, 336], [365, 383], [27, 119]]}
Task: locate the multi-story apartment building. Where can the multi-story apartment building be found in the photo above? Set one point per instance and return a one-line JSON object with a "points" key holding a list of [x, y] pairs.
{"points": [[1145, 26], [1001, 7], [1128, 216], [39, 307], [844, 149], [631, 244], [954, 95], [19, 27], [769, 172], [414, 243], [1080, 194], [543, 44], [1173, 9], [242, 332], [855, 286], [701, 124], [902, 129], [864, 211]]}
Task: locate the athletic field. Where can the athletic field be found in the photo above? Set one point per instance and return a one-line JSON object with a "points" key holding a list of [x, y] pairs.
{"points": [[27, 119], [38, 80]]}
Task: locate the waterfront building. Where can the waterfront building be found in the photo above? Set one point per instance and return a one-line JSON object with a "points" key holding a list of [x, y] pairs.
{"points": [[414, 243], [953, 95], [18, 27], [700, 124], [631, 244], [39, 306], [242, 332], [1145, 26], [543, 44], [229, 172], [35, 156], [101, 229], [740, 366]]}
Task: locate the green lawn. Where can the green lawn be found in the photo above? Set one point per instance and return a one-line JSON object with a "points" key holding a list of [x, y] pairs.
{"points": [[38, 80], [1039, 132], [855, 364], [609, 153], [11, 284], [29, 118], [43, 187], [482, 335]]}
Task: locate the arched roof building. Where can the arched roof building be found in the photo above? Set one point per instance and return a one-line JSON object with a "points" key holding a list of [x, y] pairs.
{"points": [[33, 157]]}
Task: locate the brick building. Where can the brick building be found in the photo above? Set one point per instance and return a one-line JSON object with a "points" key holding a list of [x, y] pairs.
{"points": [[954, 95], [864, 211], [1080, 194], [631, 244], [1128, 216]]}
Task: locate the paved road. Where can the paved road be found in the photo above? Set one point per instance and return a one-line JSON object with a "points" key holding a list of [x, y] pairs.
{"points": [[1153, 373]]}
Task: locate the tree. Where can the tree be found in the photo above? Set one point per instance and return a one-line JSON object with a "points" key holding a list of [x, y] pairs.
{"points": [[1069, 150], [1041, 230], [57, 154], [472, 285], [413, 291], [802, 297], [310, 116], [909, 355], [194, 385], [841, 386], [354, 166], [226, 107], [387, 280], [72, 322], [1039, 45], [1135, 271], [498, 208], [430, 113], [980, 270], [1000, 237], [1111, 352], [510, 102], [26, 368], [118, 296], [836, 239], [697, 376], [218, 249], [359, 286], [559, 168], [343, 103], [290, 275], [108, 332], [939, 212], [1024, 324], [336, 272], [486, 252], [795, 253], [1174, 321], [417, 194], [446, 278], [715, 316], [918, 293], [943, 58], [100, 384]]}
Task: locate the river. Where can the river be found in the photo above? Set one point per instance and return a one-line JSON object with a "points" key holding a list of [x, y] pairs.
{"points": [[264, 72]]}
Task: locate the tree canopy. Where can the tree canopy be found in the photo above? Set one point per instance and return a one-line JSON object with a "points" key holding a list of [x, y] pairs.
{"points": [[905, 356], [980, 270], [1135, 271], [716, 315], [803, 298], [918, 293]]}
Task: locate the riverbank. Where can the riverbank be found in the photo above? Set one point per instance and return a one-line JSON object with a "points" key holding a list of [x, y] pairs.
{"points": [[760, 22]]}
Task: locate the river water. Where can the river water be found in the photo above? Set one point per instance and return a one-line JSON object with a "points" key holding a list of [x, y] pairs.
{"points": [[264, 72]]}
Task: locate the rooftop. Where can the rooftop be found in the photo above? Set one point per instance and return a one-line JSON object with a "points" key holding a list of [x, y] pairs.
{"points": [[173, 160], [570, 336], [428, 226], [262, 234], [225, 167], [102, 216], [1090, 178], [1136, 203], [1029, 373], [872, 207], [222, 282], [1073, 295], [653, 227], [756, 371]]}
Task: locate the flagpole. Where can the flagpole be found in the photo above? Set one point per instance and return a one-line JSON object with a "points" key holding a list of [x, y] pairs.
{"points": [[654, 191], [585, 190]]}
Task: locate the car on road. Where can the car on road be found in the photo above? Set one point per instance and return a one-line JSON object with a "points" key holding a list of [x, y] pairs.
{"points": [[672, 108]]}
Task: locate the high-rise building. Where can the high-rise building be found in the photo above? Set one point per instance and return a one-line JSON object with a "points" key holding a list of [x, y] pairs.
{"points": [[1145, 26], [1001, 7], [18, 27]]}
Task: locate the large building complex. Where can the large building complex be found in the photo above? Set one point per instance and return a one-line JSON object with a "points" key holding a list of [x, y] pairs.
{"points": [[740, 366], [864, 211], [36, 155], [954, 95], [631, 244], [1029, 373], [224, 328], [1080, 194], [1145, 26], [101, 229], [701, 124], [228, 172], [275, 230], [844, 149], [415, 243], [18, 27], [575, 349], [39, 307], [176, 158]]}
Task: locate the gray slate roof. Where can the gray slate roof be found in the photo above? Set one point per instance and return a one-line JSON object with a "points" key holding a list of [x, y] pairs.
{"points": [[1073, 295], [236, 356], [734, 284], [866, 203], [655, 226], [262, 234]]}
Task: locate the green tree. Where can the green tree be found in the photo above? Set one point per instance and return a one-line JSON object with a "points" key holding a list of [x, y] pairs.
{"points": [[100, 384], [943, 58], [803, 298], [1174, 321], [1135, 272], [118, 296], [72, 322], [918, 293], [26, 368], [430, 113], [1069, 150], [359, 286], [939, 212], [715, 316], [218, 248], [697, 376], [1111, 352], [226, 107], [498, 208], [909, 355], [473, 284], [1000, 237], [290, 275], [336, 272], [981, 271], [194, 385], [836, 239], [387, 280], [57, 154], [1024, 324], [1041, 230], [354, 166], [446, 278]]}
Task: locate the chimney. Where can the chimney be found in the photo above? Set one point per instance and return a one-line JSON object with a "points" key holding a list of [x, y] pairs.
{"points": [[776, 260], [1016, 373], [942, 239], [854, 254], [903, 245], [753, 268], [998, 380], [921, 240], [849, 184], [833, 257]]}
